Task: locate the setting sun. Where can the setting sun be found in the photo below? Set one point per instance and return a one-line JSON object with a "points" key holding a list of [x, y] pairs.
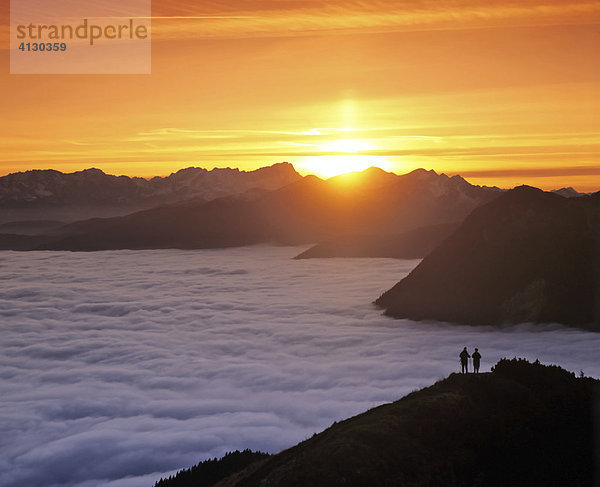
{"points": [[341, 156], [329, 166]]}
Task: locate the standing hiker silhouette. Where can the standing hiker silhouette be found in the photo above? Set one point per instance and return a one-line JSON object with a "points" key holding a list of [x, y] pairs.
{"points": [[476, 361], [464, 361]]}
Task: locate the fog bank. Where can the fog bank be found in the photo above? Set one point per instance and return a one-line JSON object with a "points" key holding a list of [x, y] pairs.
{"points": [[116, 367]]}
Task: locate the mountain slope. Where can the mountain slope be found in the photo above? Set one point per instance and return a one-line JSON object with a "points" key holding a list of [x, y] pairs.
{"points": [[414, 244], [524, 424], [526, 256], [45, 194], [309, 210]]}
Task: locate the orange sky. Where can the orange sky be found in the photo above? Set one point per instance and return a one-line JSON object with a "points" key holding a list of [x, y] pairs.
{"points": [[502, 92]]}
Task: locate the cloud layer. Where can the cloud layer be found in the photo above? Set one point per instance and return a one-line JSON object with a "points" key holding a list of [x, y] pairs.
{"points": [[119, 367]]}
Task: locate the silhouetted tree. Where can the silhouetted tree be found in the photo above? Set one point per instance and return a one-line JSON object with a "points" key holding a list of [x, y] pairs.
{"points": [[209, 472]]}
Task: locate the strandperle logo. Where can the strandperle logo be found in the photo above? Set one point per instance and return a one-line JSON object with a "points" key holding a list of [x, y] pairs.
{"points": [[86, 30], [80, 37]]}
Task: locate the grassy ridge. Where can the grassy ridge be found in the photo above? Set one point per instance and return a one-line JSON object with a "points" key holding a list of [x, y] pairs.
{"points": [[524, 424]]}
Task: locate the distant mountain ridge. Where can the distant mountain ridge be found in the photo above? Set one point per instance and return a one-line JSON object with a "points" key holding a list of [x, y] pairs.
{"points": [[309, 210], [414, 244], [53, 195], [527, 256], [569, 192]]}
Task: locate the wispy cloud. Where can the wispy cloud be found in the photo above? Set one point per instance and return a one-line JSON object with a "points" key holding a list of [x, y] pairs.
{"points": [[274, 19], [542, 172], [179, 133]]}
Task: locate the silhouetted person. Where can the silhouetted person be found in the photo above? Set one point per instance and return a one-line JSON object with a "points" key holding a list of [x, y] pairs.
{"points": [[464, 361], [476, 361]]}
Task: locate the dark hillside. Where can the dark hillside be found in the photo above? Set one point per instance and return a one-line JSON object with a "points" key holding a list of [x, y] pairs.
{"points": [[527, 256], [522, 425], [414, 244]]}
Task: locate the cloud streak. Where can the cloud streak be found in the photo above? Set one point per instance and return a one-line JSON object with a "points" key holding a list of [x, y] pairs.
{"points": [[288, 19], [119, 367]]}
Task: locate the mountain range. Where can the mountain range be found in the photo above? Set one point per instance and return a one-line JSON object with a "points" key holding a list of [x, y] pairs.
{"points": [[526, 256], [522, 425], [52, 195], [307, 210]]}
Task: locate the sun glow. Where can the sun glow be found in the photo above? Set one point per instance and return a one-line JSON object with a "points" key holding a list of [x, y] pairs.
{"points": [[329, 166], [351, 146], [339, 157]]}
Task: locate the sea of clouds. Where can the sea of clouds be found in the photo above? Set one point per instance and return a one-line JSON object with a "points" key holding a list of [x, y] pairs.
{"points": [[117, 368]]}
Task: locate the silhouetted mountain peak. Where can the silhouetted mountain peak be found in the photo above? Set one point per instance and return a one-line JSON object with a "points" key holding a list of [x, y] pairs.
{"points": [[375, 169], [523, 257], [372, 176], [458, 179], [311, 179], [568, 192], [187, 171], [524, 188], [284, 166], [92, 171], [423, 172], [511, 204]]}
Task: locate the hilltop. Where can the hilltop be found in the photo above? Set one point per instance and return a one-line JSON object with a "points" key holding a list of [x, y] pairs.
{"points": [[527, 256], [524, 424]]}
